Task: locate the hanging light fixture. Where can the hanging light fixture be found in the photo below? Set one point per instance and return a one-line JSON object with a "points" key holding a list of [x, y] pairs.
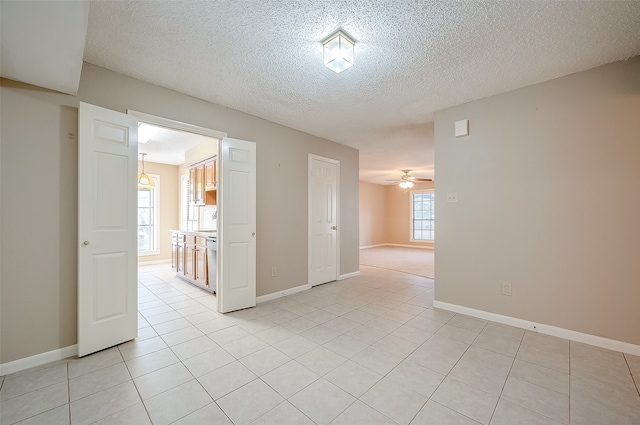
{"points": [[406, 184], [338, 51], [144, 181]]}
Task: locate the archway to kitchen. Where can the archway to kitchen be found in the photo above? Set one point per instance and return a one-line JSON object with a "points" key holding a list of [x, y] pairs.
{"points": [[176, 153]]}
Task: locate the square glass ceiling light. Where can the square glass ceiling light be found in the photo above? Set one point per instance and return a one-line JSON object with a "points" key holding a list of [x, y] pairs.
{"points": [[338, 51]]}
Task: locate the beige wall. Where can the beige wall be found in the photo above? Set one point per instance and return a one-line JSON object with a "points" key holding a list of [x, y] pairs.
{"points": [[385, 214], [39, 198], [373, 216], [38, 221], [548, 186], [169, 208]]}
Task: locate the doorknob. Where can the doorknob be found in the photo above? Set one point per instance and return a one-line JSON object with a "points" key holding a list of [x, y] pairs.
{"points": [[253, 233], [334, 227], [85, 243]]}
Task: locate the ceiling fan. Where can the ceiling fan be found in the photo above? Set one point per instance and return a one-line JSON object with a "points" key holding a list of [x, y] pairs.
{"points": [[407, 180]]}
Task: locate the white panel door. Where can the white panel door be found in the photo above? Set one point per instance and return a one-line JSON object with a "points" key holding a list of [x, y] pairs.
{"points": [[107, 226], [323, 221], [237, 226]]}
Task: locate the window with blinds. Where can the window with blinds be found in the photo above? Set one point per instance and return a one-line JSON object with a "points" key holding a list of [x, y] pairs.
{"points": [[422, 215]]}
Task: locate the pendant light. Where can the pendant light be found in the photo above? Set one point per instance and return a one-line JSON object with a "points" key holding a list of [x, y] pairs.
{"points": [[144, 181]]}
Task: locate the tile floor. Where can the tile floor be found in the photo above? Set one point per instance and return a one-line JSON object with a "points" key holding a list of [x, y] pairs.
{"points": [[366, 350]]}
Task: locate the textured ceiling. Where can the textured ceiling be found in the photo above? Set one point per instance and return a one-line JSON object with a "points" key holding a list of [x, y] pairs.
{"points": [[412, 58]]}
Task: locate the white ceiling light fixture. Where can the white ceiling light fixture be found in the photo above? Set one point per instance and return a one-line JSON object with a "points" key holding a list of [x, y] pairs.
{"points": [[144, 181], [406, 184], [338, 51], [146, 132]]}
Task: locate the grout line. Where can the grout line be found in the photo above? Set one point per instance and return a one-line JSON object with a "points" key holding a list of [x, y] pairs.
{"points": [[636, 382]]}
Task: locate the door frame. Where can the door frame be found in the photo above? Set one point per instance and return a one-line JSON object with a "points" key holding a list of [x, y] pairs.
{"points": [[309, 206]]}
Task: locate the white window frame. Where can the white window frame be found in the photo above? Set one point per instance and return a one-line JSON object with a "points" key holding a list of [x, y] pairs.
{"points": [[411, 193], [156, 218]]}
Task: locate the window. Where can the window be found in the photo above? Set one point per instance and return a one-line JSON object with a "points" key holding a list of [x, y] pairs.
{"points": [[422, 215], [148, 219]]}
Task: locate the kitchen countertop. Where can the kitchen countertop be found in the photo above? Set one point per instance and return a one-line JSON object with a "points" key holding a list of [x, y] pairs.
{"points": [[202, 233]]}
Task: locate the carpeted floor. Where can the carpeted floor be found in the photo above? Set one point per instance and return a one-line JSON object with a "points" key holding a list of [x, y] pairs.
{"points": [[416, 261]]}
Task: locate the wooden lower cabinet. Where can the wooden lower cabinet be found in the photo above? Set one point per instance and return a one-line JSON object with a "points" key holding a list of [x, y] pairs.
{"points": [[200, 265], [189, 258]]}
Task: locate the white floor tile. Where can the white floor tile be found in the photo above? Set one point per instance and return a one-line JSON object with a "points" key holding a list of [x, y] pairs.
{"points": [[471, 402], [226, 379], [136, 414], [99, 380], [353, 378], [290, 378], [162, 380], [394, 401], [151, 362], [283, 414], [416, 378], [360, 413], [33, 403], [265, 360], [103, 404], [249, 402], [321, 360], [436, 414], [177, 403], [322, 401], [401, 349]]}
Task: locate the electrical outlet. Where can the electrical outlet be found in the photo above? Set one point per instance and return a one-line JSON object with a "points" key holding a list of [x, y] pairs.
{"points": [[506, 289], [274, 272], [452, 197]]}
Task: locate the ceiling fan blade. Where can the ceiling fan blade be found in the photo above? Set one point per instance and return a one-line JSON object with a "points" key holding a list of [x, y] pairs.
{"points": [[423, 180]]}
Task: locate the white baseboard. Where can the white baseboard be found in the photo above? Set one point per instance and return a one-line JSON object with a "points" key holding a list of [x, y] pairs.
{"points": [[280, 294], [610, 344], [428, 246], [38, 360], [349, 275]]}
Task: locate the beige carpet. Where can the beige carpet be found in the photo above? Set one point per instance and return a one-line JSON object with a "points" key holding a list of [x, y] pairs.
{"points": [[408, 260]]}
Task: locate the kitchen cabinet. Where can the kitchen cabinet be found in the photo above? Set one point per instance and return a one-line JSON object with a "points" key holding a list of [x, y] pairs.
{"points": [[196, 185], [189, 257], [203, 182], [200, 264], [177, 252], [210, 173]]}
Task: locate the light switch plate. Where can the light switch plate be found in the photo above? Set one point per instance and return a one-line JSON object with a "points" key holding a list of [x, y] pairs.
{"points": [[462, 128], [452, 197]]}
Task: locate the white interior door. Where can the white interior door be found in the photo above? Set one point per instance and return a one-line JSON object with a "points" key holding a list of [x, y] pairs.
{"points": [[107, 226], [323, 220], [237, 226]]}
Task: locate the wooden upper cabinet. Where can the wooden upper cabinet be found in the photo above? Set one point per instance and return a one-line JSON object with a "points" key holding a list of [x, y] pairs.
{"points": [[202, 180], [199, 184], [210, 172], [192, 185]]}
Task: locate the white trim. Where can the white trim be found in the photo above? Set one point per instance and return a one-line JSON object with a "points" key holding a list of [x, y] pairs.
{"points": [[176, 125], [598, 341], [411, 193], [38, 360], [274, 295], [428, 245], [374, 246], [349, 275]]}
